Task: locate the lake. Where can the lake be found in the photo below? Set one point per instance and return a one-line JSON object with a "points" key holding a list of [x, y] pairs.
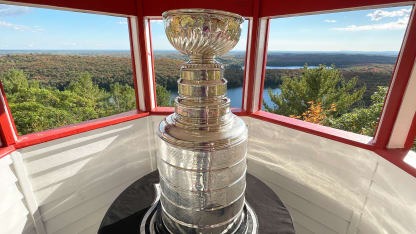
{"points": [[235, 94], [286, 67], [289, 67]]}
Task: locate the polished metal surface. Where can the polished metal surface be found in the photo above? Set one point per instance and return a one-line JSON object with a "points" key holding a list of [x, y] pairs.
{"points": [[202, 146], [152, 223]]}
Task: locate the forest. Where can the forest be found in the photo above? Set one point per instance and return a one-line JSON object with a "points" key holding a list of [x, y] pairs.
{"points": [[46, 91], [57, 70]]}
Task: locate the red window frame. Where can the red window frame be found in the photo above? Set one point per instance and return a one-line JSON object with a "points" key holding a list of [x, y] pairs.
{"points": [[11, 140], [257, 10], [331, 133], [401, 76]]}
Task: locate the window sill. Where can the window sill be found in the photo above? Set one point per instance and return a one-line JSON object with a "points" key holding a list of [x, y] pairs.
{"points": [[53, 134], [319, 130], [4, 151], [402, 158]]}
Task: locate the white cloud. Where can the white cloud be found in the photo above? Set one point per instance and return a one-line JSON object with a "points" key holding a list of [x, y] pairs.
{"points": [[18, 27], [158, 21], [7, 10], [380, 14], [330, 21], [400, 23], [123, 22]]}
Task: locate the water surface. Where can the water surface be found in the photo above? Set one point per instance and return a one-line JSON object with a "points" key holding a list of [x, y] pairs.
{"points": [[236, 94]]}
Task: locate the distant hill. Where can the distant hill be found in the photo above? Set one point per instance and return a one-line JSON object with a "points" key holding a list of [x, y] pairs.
{"points": [[108, 67], [115, 53], [59, 70], [337, 59]]}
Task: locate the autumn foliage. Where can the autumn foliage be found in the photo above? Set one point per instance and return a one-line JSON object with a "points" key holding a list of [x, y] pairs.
{"points": [[315, 113]]}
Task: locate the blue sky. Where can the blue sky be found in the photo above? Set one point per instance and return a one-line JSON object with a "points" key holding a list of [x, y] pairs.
{"points": [[36, 28], [28, 28]]}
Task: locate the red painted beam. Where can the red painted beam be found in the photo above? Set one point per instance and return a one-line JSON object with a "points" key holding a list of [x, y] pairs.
{"points": [[345, 137], [7, 128], [53, 134], [121, 7], [4, 151], [133, 64], [272, 8], [141, 32], [152, 61], [162, 110], [263, 72], [398, 84], [157, 7], [396, 157], [245, 78], [253, 53], [411, 135]]}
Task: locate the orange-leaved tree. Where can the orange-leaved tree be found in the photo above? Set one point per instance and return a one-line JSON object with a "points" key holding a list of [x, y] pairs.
{"points": [[316, 113]]}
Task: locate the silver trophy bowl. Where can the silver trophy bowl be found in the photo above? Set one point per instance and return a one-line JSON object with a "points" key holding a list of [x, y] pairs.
{"points": [[201, 33], [203, 145]]}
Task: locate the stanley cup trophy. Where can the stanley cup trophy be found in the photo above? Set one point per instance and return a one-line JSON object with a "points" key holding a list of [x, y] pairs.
{"points": [[203, 145]]}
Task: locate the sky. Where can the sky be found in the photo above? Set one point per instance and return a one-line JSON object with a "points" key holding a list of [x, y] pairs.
{"points": [[28, 28]]}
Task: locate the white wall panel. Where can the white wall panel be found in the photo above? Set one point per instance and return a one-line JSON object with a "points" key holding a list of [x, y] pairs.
{"points": [[323, 180], [326, 185], [327, 218], [153, 139], [14, 215], [75, 179], [309, 223], [300, 229], [391, 204]]}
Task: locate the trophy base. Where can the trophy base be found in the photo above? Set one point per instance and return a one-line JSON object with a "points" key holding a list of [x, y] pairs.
{"points": [[152, 221], [135, 210]]}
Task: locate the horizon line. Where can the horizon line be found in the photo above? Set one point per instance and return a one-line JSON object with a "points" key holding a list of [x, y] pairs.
{"points": [[379, 51]]}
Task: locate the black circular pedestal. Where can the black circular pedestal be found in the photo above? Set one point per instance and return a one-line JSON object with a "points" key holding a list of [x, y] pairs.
{"points": [[126, 213]]}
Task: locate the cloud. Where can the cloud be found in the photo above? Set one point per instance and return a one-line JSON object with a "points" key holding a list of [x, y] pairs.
{"points": [[330, 21], [394, 25], [18, 27], [7, 10], [380, 14], [158, 21], [122, 22]]}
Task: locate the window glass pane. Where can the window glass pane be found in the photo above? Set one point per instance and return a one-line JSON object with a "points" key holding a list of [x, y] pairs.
{"points": [[333, 69], [168, 61], [61, 67]]}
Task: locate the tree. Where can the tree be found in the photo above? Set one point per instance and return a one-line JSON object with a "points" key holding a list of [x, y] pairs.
{"points": [[37, 109], [32, 117], [315, 113], [96, 98], [14, 80], [162, 96], [234, 74], [122, 98], [324, 85], [362, 120]]}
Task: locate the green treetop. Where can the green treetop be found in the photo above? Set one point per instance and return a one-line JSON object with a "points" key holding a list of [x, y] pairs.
{"points": [[122, 98], [324, 85], [362, 120], [162, 96]]}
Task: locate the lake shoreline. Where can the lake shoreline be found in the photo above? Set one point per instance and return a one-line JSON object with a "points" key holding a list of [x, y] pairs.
{"points": [[236, 94]]}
